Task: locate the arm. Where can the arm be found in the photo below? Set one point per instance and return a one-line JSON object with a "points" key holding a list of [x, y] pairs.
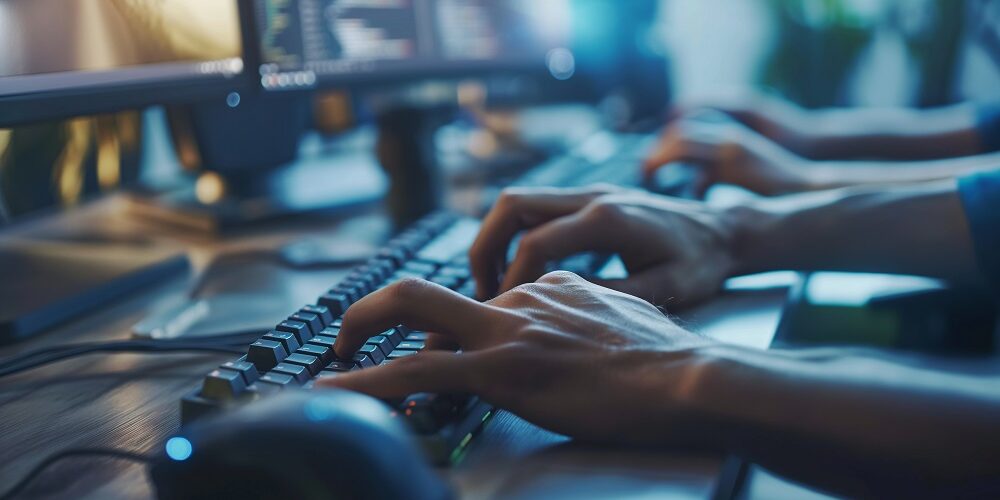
{"points": [[679, 252], [733, 154], [896, 134], [865, 424], [843, 133], [606, 367], [912, 229]]}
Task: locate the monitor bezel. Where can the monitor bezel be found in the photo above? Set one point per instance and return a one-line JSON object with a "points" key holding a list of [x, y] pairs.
{"points": [[25, 109], [452, 71]]}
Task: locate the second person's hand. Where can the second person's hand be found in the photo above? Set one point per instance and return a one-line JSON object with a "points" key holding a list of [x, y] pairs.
{"points": [[676, 252]]}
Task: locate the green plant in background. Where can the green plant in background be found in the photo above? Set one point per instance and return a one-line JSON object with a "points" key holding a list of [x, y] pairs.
{"points": [[820, 42]]}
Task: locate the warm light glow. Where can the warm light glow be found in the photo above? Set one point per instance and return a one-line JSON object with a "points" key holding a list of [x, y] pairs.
{"points": [[210, 188], [109, 158], [5, 136], [69, 174]]}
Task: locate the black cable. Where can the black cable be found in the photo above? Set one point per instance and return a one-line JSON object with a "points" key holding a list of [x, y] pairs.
{"points": [[137, 347], [227, 339], [76, 452]]}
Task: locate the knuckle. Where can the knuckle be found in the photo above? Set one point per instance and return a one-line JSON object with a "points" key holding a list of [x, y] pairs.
{"points": [[408, 288], [526, 291], [559, 278], [531, 245], [605, 209], [509, 198]]}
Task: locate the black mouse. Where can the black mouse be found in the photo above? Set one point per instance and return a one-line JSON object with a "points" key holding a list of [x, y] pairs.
{"points": [[297, 445]]}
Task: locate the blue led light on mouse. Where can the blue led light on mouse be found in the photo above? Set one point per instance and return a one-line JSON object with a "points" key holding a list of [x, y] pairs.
{"points": [[179, 448]]}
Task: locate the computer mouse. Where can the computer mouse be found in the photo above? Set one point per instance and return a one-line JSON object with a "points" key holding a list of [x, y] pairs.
{"points": [[302, 445]]}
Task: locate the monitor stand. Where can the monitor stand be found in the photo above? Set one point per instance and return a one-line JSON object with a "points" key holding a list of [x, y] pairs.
{"points": [[406, 150], [326, 178], [255, 162]]}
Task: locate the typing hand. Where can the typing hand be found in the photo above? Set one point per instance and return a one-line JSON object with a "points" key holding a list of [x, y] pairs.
{"points": [[729, 153], [563, 353], [677, 252]]}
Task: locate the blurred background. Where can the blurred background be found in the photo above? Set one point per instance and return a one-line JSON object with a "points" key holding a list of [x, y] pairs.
{"points": [[817, 53]]}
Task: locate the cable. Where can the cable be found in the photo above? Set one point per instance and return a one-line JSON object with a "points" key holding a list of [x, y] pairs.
{"points": [[139, 347], [76, 452]]}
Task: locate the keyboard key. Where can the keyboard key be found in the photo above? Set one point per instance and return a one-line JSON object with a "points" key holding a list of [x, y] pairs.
{"points": [[397, 256], [337, 323], [417, 336], [459, 273], [383, 343], [412, 345], [401, 353], [312, 363], [288, 340], [362, 361], [347, 290], [421, 268], [265, 354], [264, 389], [311, 320], [246, 369], [395, 335], [324, 341], [298, 372], [337, 302], [372, 351], [468, 289], [298, 328], [326, 375], [447, 282], [325, 316], [223, 385], [340, 366], [325, 354], [279, 379]]}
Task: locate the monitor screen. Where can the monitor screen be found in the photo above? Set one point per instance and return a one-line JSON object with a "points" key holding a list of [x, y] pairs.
{"points": [[116, 52], [308, 43]]}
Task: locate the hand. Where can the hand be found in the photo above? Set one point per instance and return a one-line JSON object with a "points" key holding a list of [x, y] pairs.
{"points": [[675, 251], [729, 153], [563, 353]]}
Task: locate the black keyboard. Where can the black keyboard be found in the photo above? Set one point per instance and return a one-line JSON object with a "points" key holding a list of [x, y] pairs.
{"points": [[299, 350]]}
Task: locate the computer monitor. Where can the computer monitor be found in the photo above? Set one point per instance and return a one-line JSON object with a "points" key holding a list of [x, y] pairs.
{"points": [[317, 43], [62, 58], [73, 57]]}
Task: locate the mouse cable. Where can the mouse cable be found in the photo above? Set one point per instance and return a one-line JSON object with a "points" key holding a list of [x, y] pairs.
{"points": [[132, 346], [74, 452]]}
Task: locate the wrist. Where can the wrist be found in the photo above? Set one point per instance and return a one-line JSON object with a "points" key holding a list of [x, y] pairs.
{"points": [[752, 229], [703, 397]]}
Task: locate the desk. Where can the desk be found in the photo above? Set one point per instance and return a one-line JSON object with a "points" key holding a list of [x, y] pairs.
{"points": [[132, 402]]}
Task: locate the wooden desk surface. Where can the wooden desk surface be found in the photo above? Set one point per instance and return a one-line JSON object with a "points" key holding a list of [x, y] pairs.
{"points": [[132, 401]]}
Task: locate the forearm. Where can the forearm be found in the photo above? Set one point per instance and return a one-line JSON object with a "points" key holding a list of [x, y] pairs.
{"points": [[898, 134], [916, 229], [838, 174], [848, 422]]}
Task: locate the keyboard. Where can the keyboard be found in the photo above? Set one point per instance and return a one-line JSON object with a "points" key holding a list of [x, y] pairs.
{"points": [[299, 350]]}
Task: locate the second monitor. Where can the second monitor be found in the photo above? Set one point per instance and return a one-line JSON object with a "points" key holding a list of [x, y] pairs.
{"points": [[310, 43]]}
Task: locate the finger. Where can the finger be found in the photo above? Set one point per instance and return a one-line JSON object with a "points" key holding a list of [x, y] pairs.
{"points": [[557, 240], [420, 305], [681, 145], [514, 212], [437, 372]]}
